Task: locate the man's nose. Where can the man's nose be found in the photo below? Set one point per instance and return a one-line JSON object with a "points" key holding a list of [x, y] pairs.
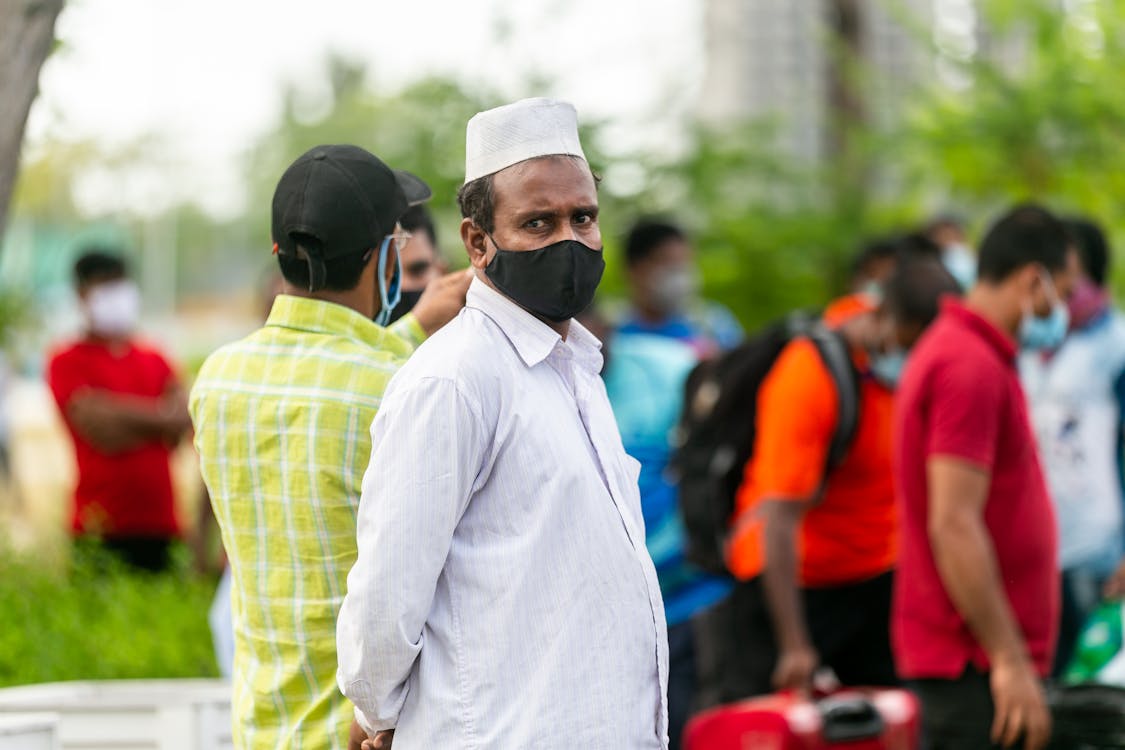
{"points": [[567, 232]]}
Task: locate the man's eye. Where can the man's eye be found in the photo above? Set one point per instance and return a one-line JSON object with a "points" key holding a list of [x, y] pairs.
{"points": [[583, 219], [535, 224]]}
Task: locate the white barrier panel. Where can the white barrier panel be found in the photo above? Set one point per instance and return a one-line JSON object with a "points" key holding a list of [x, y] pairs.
{"points": [[131, 714], [37, 731]]}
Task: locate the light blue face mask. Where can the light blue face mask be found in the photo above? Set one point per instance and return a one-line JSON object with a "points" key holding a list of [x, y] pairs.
{"points": [[1045, 333], [388, 297], [873, 290], [887, 368], [961, 264]]}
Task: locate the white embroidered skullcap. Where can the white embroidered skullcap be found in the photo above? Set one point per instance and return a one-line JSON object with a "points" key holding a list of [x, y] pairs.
{"points": [[498, 138]]}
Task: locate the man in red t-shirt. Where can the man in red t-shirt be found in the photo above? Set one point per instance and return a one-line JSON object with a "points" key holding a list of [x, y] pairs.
{"points": [[125, 410], [976, 603]]}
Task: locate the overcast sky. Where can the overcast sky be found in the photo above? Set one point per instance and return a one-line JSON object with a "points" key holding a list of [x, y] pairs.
{"points": [[207, 74]]}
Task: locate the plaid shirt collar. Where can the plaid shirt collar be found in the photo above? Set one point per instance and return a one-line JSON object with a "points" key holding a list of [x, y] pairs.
{"points": [[331, 319]]}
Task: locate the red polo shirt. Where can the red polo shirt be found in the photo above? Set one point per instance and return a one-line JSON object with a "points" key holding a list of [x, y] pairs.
{"points": [[121, 494], [961, 397]]}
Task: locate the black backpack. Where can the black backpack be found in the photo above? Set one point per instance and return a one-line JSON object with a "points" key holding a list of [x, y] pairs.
{"points": [[715, 437]]}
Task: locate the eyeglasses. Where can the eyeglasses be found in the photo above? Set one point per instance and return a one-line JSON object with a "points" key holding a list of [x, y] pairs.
{"points": [[401, 239]]}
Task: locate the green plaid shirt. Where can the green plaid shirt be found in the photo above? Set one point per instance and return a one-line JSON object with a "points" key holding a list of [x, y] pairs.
{"points": [[282, 423]]}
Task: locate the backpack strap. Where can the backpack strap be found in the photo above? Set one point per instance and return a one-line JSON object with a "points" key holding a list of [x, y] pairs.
{"points": [[836, 357]]}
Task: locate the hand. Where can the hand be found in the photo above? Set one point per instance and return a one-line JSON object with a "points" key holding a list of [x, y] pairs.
{"points": [[795, 668], [358, 739], [381, 741], [175, 417], [1115, 586], [1020, 704], [442, 300]]}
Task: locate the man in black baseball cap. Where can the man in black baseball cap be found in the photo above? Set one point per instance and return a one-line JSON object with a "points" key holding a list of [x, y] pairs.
{"points": [[337, 206], [282, 426]]}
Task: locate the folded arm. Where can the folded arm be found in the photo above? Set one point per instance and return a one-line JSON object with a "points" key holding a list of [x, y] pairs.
{"points": [[115, 422]]}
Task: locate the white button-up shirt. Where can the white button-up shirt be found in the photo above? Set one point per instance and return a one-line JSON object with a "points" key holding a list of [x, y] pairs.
{"points": [[503, 596]]}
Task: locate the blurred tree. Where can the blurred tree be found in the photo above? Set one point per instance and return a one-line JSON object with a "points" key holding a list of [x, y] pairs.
{"points": [[1033, 112], [1036, 114], [27, 31], [421, 129]]}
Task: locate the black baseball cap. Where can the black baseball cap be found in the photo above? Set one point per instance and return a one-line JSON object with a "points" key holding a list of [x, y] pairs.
{"points": [[346, 198]]}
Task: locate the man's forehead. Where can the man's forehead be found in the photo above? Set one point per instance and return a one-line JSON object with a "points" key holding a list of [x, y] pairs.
{"points": [[558, 181]]}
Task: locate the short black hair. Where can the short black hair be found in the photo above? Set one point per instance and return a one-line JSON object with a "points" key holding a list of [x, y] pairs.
{"points": [[1093, 247], [917, 245], [1027, 234], [873, 251], [341, 273], [476, 198], [646, 236], [914, 291], [417, 219], [944, 221], [96, 265]]}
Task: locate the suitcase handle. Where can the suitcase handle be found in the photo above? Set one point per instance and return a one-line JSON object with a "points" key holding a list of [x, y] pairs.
{"points": [[849, 719]]}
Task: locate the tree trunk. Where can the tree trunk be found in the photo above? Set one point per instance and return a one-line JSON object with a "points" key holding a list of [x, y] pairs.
{"points": [[27, 33], [846, 108]]}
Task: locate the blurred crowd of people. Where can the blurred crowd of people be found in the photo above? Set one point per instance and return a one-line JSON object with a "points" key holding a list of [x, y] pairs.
{"points": [[940, 508]]}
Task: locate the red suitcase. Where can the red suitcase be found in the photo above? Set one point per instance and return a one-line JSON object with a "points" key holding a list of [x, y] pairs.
{"points": [[851, 719]]}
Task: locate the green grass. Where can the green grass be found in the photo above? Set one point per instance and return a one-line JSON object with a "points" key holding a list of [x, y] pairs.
{"points": [[87, 618]]}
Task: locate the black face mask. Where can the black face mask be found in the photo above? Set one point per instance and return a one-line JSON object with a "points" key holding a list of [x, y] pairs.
{"points": [[556, 282], [406, 303]]}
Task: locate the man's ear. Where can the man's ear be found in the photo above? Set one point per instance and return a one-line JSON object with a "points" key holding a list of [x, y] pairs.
{"points": [[476, 243], [1030, 278]]}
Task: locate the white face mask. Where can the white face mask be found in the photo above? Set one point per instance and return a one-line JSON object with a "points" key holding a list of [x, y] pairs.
{"points": [[673, 290], [113, 309]]}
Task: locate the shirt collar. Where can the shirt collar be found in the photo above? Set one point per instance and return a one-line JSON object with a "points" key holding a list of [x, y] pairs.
{"points": [[532, 339], [1001, 342], [331, 319]]}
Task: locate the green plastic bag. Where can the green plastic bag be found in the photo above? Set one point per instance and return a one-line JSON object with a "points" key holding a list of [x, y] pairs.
{"points": [[1100, 654]]}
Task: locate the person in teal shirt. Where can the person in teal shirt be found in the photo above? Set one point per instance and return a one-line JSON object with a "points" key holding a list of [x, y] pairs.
{"points": [[644, 378]]}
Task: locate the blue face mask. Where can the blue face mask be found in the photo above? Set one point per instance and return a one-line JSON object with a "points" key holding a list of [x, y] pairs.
{"points": [[887, 368], [961, 264], [388, 296], [1045, 333]]}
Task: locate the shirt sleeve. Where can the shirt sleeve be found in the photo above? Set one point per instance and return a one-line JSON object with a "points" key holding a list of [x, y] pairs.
{"points": [[409, 329], [797, 414], [64, 379], [165, 371], [427, 449], [963, 407]]}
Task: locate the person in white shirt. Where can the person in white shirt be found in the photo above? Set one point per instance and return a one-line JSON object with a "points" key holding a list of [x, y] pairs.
{"points": [[503, 596]]}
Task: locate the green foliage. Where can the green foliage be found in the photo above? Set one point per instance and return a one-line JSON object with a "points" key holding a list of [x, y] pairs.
{"points": [[420, 129], [1034, 113], [1039, 118], [16, 315], [94, 620]]}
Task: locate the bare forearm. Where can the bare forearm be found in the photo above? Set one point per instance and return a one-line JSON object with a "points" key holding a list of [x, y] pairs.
{"points": [[967, 564], [117, 421], [779, 581]]}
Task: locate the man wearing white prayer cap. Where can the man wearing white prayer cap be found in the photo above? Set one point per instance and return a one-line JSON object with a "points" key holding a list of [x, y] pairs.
{"points": [[503, 596]]}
